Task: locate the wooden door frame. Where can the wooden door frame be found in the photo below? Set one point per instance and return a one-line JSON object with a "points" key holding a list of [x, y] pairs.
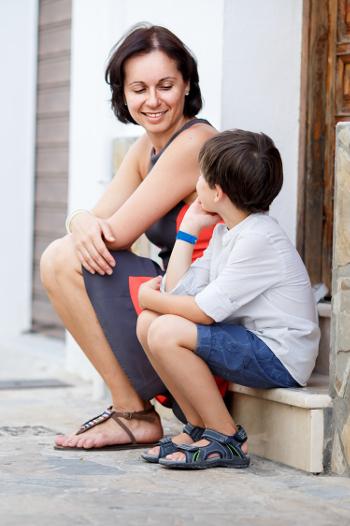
{"points": [[316, 140]]}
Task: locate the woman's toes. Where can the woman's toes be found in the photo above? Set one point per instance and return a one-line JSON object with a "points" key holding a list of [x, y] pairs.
{"points": [[71, 442], [59, 439], [80, 442], [87, 444]]}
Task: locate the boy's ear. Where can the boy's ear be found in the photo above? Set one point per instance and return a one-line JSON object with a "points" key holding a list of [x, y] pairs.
{"points": [[218, 193]]}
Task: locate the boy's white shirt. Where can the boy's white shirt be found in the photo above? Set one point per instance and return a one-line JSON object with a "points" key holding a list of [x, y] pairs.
{"points": [[253, 276]]}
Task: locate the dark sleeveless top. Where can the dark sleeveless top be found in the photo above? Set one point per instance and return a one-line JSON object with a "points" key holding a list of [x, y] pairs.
{"points": [[163, 232]]}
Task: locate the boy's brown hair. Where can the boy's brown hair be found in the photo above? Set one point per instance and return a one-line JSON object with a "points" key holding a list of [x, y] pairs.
{"points": [[246, 165]]}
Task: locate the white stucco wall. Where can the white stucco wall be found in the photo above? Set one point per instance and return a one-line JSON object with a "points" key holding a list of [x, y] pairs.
{"points": [[261, 83], [18, 42]]}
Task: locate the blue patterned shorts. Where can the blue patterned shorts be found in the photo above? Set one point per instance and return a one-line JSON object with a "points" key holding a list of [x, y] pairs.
{"points": [[238, 355]]}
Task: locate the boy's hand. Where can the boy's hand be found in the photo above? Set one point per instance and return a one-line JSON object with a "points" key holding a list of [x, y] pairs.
{"points": [[196, 218], [147, 288]]}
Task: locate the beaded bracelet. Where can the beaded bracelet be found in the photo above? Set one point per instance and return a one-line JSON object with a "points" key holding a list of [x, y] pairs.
{"points": [[184, 236]]}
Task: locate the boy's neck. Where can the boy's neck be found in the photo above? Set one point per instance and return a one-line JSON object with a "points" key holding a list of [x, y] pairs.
{"points": [[232, 216]]}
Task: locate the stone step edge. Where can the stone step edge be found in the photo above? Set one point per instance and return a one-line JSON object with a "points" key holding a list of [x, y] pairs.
{"points": [[313, 397]]}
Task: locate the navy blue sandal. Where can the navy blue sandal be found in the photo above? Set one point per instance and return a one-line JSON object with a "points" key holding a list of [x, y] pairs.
{"points": [[227, 450], [167, 446]]}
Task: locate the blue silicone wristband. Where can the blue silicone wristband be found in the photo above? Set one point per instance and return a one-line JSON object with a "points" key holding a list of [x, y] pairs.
{"points": [[186, 237]]}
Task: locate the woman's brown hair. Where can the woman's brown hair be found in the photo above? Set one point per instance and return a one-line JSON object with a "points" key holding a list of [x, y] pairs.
{"points": [[143, 39]]}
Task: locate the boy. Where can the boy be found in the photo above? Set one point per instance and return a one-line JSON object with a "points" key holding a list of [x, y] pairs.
{"points": [[243, 311]]}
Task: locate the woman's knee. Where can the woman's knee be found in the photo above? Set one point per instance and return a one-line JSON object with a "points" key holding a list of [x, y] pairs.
{"points": [[57, 260]]}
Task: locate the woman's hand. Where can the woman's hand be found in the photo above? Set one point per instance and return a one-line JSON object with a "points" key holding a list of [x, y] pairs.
{"points": [[147, 288], [196, 218], [89, 234]]}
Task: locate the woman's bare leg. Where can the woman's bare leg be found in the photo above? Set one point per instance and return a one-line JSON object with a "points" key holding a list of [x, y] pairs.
{"points": [[62, 277], [186, 375]]}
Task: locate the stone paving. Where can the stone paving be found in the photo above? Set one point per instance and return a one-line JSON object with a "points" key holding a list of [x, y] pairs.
{"points": [[44, 487]]}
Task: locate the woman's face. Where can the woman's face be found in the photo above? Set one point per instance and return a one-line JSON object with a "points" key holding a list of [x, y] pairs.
{"points": [[154, 91]]}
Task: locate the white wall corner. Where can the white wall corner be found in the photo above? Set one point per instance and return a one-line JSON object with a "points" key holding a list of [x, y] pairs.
{"points": [[18, 58]]}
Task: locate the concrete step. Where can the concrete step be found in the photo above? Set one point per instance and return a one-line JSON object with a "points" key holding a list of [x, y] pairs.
{"points": [[286, 425]]}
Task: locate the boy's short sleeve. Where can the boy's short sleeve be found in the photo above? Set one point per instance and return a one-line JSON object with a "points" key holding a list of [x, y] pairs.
{"points": [[253, 267]]}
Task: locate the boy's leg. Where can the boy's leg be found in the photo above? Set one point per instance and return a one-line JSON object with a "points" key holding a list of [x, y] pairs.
{"points": [[186, 375], [145, 320]]}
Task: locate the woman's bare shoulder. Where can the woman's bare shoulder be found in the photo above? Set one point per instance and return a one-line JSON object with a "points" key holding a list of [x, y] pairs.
{"points": [[200, 130], [185, 147], [194, 137]]}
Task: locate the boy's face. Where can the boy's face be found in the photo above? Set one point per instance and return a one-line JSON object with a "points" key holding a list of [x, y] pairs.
{"points": [[206, 195]]}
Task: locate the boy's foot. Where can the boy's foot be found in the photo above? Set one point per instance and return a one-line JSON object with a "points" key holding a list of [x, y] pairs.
{"points": [[180, 456], [181, 438], [168, 445], [106, 431]]}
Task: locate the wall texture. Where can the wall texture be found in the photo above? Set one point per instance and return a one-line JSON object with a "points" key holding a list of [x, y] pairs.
{"points": [[261, 83], [340, 331], [18, 43]]}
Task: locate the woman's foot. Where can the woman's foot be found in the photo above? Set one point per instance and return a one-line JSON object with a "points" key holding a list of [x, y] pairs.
{"points": [[110, 433]]}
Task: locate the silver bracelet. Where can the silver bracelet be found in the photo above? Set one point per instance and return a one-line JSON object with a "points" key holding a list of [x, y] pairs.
{"points": [[70, 217]]}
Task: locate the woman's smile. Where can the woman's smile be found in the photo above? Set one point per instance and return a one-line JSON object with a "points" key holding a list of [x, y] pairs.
{"points": [[155, 92], [155, 116]]}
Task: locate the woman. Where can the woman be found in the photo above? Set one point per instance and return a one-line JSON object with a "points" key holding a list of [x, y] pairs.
{"points": [[90, 275]]}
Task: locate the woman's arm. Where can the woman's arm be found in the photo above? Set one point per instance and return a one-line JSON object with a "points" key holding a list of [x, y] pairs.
{"points": [[134, 201], [129, 176], [172, 179], [90, 230]]}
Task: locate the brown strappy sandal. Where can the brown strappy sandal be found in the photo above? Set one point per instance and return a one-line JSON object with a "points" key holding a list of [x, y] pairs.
{"points": [[147, 414]]}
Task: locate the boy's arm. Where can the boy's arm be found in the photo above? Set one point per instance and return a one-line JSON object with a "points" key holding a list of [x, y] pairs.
{"points": [[181, 257], [185, 306]]}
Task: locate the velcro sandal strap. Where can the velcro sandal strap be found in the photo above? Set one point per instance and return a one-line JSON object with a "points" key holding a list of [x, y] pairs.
{"points": [[195, 432], [241, 435], [166, 447], [164, 440], [211, 434], [187, 447]]}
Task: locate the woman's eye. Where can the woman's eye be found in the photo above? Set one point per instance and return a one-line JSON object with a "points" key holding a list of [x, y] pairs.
{"points": [[166, 87], [139, 90]]}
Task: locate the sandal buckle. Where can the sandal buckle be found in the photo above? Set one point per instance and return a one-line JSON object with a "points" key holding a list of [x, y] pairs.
{"points": [[128, 415]]}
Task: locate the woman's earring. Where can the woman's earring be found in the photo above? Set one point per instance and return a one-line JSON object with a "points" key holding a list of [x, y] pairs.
{"points": [[187, 93]]}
